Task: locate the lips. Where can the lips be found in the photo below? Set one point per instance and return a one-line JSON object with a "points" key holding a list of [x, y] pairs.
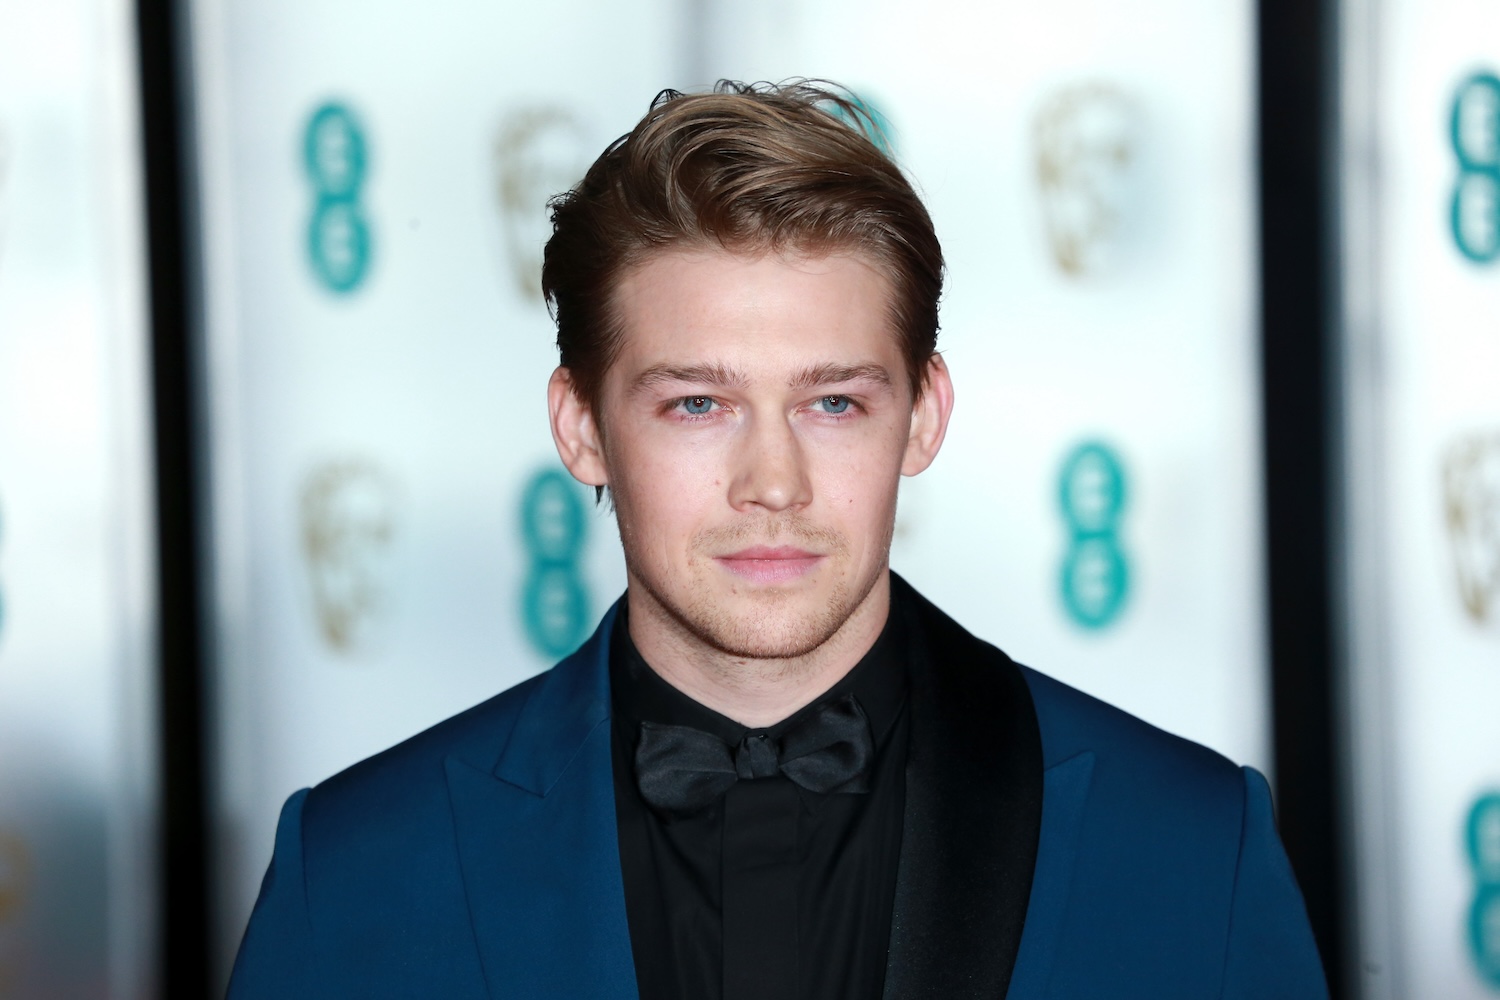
{"points": [[770, 564]]}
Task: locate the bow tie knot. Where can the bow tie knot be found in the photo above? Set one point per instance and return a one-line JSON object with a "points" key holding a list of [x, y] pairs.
{"points": [[757, 756], [680, 769]]}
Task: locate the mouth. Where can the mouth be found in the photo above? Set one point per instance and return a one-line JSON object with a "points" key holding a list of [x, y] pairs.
{"points": [[768, 564]]}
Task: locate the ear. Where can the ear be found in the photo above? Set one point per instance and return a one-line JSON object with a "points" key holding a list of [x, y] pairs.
{"points": [[574, 431], [929, 418]]}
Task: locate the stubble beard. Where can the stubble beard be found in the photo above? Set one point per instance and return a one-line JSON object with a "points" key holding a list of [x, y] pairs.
{"points": [[775, 626]]}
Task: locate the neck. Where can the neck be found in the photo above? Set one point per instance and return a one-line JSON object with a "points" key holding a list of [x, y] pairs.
{"points": [[755, 692]]}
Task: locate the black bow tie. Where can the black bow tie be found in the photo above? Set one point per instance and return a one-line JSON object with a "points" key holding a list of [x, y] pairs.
{"points": [[681, 770]]}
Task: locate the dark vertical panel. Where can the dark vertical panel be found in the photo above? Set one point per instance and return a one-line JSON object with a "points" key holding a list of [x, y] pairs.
{"points": [[183, 842], [1296, 78]]}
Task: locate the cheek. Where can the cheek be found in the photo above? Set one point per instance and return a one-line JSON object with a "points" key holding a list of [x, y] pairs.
{"points": [[664, 490], [858, 485]]}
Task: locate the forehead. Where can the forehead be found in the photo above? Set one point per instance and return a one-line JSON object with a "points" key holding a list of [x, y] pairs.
{"points": [[764, 313]]}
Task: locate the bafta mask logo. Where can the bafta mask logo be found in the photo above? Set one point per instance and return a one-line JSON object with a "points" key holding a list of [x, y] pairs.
{"points": [[349, 516], [1474, 131], [1095, 578], [1483, 842], [539, 152], [1471, 494], [1085, 143], [556, 608], [338, 234]]}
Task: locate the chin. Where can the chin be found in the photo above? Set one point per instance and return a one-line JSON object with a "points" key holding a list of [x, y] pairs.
{"points": [[769, 624]]}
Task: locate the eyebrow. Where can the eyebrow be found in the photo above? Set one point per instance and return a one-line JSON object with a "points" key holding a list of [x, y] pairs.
{"points": [[832, 374], [703, 374], [713, 374]]}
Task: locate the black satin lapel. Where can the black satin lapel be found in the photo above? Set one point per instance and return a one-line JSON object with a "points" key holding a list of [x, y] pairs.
{"points": [[973, 815]]}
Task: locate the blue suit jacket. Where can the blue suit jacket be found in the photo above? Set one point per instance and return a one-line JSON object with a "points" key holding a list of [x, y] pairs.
{"points": [[1053, 847]]}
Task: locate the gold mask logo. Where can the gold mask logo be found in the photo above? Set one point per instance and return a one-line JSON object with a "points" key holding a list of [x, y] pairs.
{"points": [[349, 515], [539, 151], [1085, 140], [1471, 495]]}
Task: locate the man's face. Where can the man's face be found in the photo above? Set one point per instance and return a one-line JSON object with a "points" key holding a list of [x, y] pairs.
{"points": [[755, 425]]}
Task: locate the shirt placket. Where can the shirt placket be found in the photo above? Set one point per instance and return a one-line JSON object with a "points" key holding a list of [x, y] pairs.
{"points": [[760, 890]]}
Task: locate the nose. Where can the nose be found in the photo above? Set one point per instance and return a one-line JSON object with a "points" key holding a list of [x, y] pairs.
{"points": [[770, 468]]}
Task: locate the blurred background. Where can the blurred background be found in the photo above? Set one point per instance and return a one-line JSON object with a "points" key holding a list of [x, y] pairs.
{"points": [[277, 491]]}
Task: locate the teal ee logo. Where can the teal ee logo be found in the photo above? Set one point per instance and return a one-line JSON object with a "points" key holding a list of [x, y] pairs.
{"points": [[338, 235], [1482, 833], [1095, 575], [862, 114], [1475, 133], [555, 603]]}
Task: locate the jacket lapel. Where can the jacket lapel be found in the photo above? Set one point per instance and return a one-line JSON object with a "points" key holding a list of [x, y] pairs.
{"points": [[973, 814], [1067, 786], [537, 842]]}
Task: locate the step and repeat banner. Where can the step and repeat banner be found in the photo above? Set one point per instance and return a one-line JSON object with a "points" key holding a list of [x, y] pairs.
{"points": [[1423, 349], [393, 537], [77, 612], [1096, 510]]}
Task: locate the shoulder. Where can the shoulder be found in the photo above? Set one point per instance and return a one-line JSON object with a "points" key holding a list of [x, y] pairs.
{"points": [[362, 854], [1159, 865], [1135, 765], [1129, 763], [389, 793], [1073, 722], [524, 736]]}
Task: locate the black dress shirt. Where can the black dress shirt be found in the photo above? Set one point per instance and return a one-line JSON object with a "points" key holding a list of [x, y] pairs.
{"points": [[773, 891]]}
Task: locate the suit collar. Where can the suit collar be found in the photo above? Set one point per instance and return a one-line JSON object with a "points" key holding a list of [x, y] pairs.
{"points": [[571, 700], [538, 847], [973, 814]]}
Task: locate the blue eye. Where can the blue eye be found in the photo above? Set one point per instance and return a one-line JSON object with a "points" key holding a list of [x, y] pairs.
{"points": [[697, 405], [834, 404]]}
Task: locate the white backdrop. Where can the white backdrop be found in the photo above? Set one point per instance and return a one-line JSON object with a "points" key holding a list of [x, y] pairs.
{"points": [[391, 541], [77, 595], [1422, 233]]}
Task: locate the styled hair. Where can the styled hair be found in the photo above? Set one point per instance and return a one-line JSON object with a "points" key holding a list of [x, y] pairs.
{"points": [[749, 168]]}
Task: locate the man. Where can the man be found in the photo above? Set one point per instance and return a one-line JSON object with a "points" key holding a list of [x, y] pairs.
{"points": [[775, 770]]}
